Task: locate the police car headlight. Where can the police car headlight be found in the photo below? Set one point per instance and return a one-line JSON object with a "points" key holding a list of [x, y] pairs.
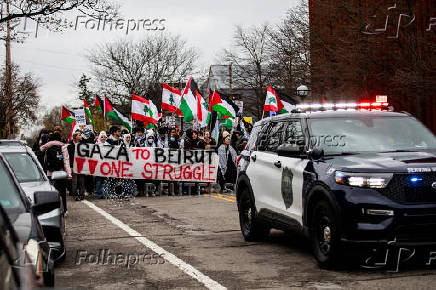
{"points": [[367, 180]]}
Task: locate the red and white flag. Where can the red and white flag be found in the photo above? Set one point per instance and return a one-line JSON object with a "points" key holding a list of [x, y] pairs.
{"points": [[144, 110], [171, 98]]}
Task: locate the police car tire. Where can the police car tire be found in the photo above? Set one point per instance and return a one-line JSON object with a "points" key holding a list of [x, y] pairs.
{"points": [[325, 236], [251, 228]]}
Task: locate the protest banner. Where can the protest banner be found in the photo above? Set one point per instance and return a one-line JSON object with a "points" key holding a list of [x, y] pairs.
{"points": [[146, 163]]}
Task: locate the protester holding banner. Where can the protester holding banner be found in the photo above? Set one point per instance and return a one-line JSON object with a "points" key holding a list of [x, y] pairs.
{"points": [[78, 180], [115, 137], [100, 180], [227, 162], [173, 140], [139, 137], [150, 141], [162, 138], [192, 142], [209, 142]]}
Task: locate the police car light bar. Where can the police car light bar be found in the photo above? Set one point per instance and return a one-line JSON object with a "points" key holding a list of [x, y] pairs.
{"points": [[364, 106]]}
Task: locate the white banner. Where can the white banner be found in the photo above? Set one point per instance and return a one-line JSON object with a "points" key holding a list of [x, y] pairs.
{"points": [[80, 117], [146, 163]]}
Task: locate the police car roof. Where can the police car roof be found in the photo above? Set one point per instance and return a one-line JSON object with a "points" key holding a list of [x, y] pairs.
{"points": [[334, 114]]}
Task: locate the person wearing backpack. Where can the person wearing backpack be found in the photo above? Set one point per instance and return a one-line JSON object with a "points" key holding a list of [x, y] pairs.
{"points": [[56, 158]]}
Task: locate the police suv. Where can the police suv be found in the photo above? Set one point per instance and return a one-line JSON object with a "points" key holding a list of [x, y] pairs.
{"points": [[346, 177]]}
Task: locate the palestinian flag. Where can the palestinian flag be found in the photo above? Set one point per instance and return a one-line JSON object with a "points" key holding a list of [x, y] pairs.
{"points": [[171, 98], [74, 128], [223, 104], [88, 112], [228, 122], [67, 116], [111, 112], [144, 110], [188, 103], [98, 103], [287, 107], [203, 115]]}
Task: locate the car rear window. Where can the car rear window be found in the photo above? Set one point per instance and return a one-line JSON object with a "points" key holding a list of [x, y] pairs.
{"points": [[24, 167]]}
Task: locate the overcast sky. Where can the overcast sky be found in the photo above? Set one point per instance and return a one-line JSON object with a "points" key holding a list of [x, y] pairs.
{"points": [[58, 59]]}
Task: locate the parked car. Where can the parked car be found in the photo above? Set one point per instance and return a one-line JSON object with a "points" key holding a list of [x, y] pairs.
{"points": [[32, 178], [16, 271], [25, 222]]}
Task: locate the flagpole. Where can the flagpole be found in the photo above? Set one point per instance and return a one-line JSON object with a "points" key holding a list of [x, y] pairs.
{"points": [[263, 114]]}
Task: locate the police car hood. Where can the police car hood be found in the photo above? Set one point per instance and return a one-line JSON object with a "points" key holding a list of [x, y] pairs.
{"points": [[395, 162]]}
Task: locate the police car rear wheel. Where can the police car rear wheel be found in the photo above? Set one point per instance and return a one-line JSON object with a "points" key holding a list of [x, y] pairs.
{"points": [[251, 229], [325, 235]]}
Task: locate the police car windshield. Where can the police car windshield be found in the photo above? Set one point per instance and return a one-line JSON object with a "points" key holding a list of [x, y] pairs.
{"points": [[24, 167], [370, 134]]}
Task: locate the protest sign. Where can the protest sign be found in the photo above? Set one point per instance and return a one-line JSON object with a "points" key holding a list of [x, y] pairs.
{"points": [[80, 117], [146, 163]]}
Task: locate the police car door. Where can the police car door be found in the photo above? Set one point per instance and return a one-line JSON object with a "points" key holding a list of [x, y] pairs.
{"points": [[265, 176], [290, 193]]}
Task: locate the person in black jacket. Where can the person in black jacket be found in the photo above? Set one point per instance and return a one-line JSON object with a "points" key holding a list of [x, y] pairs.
{"points": [[115, 137]]}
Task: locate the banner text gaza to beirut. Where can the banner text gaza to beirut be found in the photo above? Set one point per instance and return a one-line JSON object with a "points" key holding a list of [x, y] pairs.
{"points": [[146, 163]]}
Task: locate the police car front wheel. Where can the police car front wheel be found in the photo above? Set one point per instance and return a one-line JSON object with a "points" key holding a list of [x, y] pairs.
{"points": [[325, 235]]}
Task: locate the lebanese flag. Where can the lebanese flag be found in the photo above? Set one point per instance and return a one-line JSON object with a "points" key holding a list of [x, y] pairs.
{"points": [[188, 104], [171, 98], [272, 101], [67, 116], [144, 110]]}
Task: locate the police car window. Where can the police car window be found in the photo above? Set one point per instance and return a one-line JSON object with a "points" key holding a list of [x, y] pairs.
{"points": [[274, 136], [251, 144], [294, 133], [377, 134], [24, 167]]}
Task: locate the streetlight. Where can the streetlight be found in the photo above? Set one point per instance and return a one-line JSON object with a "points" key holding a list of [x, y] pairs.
{"points": [[302, 91]]}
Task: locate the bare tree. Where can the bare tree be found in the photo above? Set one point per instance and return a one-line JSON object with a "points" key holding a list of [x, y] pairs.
{"points": [[124, 67], [51, 11], [290, 50], [250, 59], [25, 99]]}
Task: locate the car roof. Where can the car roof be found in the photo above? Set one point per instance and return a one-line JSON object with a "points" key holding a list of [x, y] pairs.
{"points": [[333, 114], [13, 146]]}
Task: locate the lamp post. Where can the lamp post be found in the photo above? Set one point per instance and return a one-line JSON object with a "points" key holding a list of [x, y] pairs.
{"points": [[303, 91]]}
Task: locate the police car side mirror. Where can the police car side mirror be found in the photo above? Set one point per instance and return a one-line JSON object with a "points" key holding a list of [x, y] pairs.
{"points": [[289, 150], [316, 153]]}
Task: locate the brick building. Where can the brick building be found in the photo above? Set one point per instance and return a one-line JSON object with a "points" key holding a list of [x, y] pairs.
{"points": [[364, 48]]}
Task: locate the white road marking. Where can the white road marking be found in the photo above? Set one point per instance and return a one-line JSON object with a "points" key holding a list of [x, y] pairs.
{"points": [[188, 269]]}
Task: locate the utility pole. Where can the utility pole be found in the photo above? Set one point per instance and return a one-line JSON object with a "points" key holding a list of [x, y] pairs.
{"points": [[230, 81], [8, 77]]}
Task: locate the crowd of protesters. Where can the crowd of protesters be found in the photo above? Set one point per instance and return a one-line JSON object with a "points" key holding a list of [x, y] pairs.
{"points": [[57, 154]]}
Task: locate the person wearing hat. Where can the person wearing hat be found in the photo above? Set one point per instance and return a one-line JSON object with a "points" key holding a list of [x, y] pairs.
{"points": [[227, 161]]}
